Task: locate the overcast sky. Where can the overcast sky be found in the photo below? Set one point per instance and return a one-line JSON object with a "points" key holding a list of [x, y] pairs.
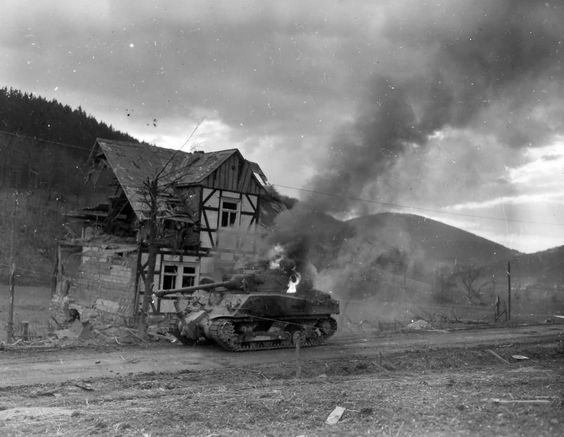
{"points": [[449, 109]]}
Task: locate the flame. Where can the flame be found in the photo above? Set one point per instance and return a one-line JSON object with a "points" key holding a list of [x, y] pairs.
{"points": [[293, 284]]}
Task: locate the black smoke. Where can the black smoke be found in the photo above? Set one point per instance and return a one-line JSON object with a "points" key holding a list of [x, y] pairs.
{"points": [[491, 70], [483, 69]]}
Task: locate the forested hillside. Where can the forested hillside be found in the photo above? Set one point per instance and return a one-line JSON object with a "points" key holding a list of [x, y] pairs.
{"points": [[33, 116], [44, 147]]}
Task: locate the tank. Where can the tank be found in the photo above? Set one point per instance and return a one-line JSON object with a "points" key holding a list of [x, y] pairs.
{"points": [[267, 310]]}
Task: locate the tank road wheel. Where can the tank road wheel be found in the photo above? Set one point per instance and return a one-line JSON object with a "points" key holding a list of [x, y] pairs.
{"points": [[298, 336], [327, 327], [223, 333]]}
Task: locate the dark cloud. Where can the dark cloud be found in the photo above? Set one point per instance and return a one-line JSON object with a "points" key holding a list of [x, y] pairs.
{"points": [[262, 69], [498, 73], [390, 100]]}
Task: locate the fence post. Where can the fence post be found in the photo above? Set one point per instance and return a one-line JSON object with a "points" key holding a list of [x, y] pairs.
{"points": [[508, 290], [10, 333], [10, 328], [25, 331]]}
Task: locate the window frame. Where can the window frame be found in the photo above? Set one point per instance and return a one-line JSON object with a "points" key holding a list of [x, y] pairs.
{"points": [[180, 274], [229, 211]]}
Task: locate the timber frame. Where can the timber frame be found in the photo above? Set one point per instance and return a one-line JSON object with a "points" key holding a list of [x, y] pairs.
{"points": [[210, 212]]}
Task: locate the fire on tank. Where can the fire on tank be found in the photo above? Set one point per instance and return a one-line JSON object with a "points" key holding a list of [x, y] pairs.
{"points": [[267, 309]]}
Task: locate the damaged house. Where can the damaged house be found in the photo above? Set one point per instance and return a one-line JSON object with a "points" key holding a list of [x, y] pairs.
{"points": [[210, 207]]}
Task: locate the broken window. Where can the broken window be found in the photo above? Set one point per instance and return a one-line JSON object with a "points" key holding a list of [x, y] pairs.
{"points": [[230, 213], [178, 276], [188, 277], [170, 272]]}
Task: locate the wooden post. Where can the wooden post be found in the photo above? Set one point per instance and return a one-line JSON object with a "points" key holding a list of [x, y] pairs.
{"points": [[508, 290], [10, 333], [10, 336], [25, 331], [10, 327]]}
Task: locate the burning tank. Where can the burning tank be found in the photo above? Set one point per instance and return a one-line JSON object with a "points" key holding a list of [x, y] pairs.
{"points": [[262, 310]]}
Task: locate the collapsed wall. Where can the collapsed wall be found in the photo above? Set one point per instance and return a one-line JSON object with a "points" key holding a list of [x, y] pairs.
{"points": [[96, 283]]}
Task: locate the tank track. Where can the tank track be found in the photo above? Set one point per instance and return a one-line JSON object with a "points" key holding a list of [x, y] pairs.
{"points": [[222, 332]]}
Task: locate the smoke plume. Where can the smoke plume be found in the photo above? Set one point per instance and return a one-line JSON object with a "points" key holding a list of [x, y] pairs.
{"points": [[494, 69], [485, 76]]}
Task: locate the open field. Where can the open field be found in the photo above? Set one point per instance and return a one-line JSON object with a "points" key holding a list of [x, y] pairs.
{"points": [[31, 304], [480, 390]]}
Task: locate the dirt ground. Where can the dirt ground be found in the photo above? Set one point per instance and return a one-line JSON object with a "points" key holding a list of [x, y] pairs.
{"points": [[479, 390], [458, 378]]}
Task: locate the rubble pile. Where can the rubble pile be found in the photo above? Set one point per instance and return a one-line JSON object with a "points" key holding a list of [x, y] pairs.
{"points": [[73, 333], [419, 325]]}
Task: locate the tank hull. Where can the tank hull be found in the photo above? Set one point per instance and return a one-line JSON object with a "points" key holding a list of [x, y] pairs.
{"points": [[256, 321]]}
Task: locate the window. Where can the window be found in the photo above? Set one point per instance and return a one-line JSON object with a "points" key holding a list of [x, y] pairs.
{"points": [[188, 277], [229, 214], [169, 277], [178, 276]]}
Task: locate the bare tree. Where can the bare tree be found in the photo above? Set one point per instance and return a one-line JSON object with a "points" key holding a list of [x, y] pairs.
{"points": [[151, 193], [153, 190], [470, 277]]}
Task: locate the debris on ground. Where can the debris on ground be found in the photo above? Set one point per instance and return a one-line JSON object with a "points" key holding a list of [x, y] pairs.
{"points": [[419, 325], [519, 357], [522, 401], [85, 333], [86, 386], [335, 416], [432, 391], [156, 332], [499, 357]]}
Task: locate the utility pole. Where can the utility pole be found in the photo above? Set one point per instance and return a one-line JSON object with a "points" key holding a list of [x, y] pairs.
{"points": [[508, 290], [10, 330]]}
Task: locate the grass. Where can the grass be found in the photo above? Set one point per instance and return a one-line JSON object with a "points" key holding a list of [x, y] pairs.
{"points": [[31, 304]]}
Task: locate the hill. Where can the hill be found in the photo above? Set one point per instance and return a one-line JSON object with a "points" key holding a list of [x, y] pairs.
{"points": [[383, 253], [537, 271], [33, 116], [437, 242], [390, 253], [44, 146]]}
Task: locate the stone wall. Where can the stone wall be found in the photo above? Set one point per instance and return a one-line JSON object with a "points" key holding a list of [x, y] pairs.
{"points": [[100, 286]]}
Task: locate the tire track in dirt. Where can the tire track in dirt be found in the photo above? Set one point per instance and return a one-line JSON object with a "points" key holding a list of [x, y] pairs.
{"points": [[21, 367]]}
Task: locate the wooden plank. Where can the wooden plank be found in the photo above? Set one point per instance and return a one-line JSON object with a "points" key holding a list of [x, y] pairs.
{"points": [[520, 401], [497, 356]]}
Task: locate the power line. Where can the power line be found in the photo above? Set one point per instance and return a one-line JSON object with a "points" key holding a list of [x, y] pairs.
{"points": [[397, 205], [41, 140]]}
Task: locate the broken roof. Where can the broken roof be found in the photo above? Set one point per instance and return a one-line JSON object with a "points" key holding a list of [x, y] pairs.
{"points": [[133, 164]]}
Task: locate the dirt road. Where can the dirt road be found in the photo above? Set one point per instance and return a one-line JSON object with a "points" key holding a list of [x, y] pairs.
{"points": [[60, 365], [497, 381]]}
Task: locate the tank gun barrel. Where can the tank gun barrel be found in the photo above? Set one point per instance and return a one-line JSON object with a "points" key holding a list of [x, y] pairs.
{"points": [[234, 283]]}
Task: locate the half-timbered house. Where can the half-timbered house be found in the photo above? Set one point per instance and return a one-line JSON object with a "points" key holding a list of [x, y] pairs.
{"points": [[210, 207]]}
